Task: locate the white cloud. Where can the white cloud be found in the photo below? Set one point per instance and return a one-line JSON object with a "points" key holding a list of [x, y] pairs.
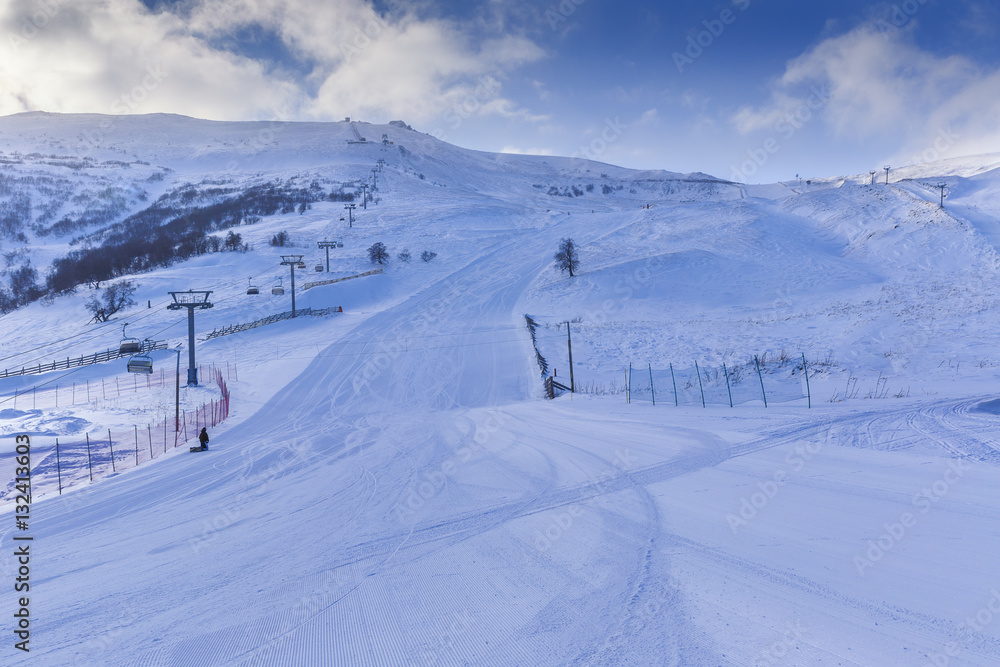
{"points": [[876, 83], [97, 55]]}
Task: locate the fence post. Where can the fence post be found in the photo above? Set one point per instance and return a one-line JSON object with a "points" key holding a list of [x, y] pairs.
{"points": [[673, 380], [805, 372], [136, 428], [90, 463], [700, 387], [111, 445], [58, 470], [149, 432], [652, 391], [630, 379], [726, 371], [761, 378], [627, 397]]}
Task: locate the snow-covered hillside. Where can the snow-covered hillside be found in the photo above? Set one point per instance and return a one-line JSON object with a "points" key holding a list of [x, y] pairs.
{"points": [[391, 486]]}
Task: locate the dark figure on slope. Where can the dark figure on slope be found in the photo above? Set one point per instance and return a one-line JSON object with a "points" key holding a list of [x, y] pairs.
{"points": [[203, 438]]}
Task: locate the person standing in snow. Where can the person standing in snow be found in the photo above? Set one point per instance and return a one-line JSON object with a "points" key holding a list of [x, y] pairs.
{"points": [[203, 438]]}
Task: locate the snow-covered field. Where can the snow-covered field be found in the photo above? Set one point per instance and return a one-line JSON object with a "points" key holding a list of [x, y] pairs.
{"points": [[392, 488]]}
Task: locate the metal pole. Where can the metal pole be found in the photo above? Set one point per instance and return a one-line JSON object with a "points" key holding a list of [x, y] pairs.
{"points": [[726, 371], [58, 469], [761, 378], [702, 388], [674, 381], [136, 428], [112, 447], [805, 372], [652, 390], [90, 463], [177, 395], [291, 269], [569, 343], [328, 259], [628, 383]]}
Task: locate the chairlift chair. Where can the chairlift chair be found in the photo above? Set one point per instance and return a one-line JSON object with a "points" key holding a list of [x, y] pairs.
{"points": [[140, 363], [129, 345], [251, 288], [300, 265], [319, 268], [278, 290]]}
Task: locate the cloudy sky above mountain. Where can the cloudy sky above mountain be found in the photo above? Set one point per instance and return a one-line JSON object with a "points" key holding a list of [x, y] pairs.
{"points": [[744, 89]]}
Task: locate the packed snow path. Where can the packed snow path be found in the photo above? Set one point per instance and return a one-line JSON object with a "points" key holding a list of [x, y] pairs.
{"points": [[418, 504]]}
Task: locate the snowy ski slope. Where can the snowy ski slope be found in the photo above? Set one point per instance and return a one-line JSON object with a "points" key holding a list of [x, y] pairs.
{"points": [[391, 488]]}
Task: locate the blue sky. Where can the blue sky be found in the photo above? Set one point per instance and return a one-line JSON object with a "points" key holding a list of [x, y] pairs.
{"points": [[750, 90]]}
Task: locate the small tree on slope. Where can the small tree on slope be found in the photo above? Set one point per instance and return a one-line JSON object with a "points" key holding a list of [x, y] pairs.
{"points": [[567, 259], [378, 254]]}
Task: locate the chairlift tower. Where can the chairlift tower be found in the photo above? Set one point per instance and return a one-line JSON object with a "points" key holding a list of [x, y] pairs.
{"points": [[364, 199], [192, 300], [291, 261], [887, 168], [375, 179], [942, 187], [381, 163], [328, 245], [350, 215], [873, 172]]}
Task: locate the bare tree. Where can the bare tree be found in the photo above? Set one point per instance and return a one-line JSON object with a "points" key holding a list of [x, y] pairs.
{"points": [[113, 298], [378, 254], [567, 259]]}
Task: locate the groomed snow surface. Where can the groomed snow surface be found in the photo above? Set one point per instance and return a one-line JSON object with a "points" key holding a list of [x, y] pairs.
{"points": [[391, 488]]}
